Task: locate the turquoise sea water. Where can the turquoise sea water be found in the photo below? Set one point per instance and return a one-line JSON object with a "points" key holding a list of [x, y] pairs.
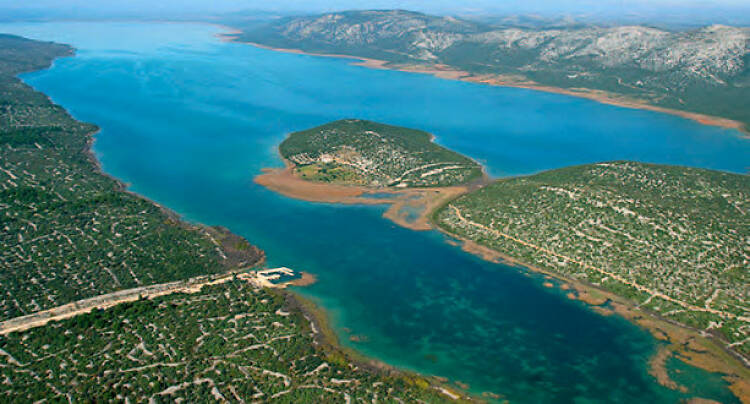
{"points": [[188, 120]]}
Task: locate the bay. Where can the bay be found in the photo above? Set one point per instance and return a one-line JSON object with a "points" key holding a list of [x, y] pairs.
{"points": [[188, 120]]}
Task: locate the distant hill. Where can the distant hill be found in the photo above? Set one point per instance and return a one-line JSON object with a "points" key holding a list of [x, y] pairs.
{"points": [[703, 70], [22, 55]]}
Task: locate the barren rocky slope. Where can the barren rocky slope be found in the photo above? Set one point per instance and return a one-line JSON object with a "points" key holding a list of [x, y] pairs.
{"points": [[703, 70]]}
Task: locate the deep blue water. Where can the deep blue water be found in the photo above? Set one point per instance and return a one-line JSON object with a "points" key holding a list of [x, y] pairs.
{"points": [[188, 121]]}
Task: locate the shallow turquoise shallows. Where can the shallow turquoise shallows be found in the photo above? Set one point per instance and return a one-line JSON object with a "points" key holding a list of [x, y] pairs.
{"points": [[188, 120]]}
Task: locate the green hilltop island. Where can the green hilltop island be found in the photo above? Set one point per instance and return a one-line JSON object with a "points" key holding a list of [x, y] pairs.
{"points": [[359, 152]]}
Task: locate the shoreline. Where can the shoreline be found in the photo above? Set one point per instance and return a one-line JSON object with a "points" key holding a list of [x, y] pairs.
{"points": [[304, 307], [233, 258], [121, 186], [424, 200], [323, 321], [499, 80], [326, 339], [176, 218], [690, 345], [687, 344]]}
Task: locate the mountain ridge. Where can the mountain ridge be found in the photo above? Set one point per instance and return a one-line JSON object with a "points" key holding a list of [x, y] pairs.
{"points": [[701, 70]]}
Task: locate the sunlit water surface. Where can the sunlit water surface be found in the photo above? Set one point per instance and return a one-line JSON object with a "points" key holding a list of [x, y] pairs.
{"points": [[187, 120]]}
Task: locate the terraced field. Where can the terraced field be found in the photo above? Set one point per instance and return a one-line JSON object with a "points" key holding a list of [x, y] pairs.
{"points": [[68, 231], [377, 155], [673, 239], [230, 342]]}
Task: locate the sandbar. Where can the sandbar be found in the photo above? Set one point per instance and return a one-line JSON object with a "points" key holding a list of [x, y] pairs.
{"points": [[423, 200]]}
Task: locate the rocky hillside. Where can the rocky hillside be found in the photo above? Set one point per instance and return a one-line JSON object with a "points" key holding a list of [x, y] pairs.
{"points": [[703, 70], [713, 53], [395, 35], [672, 239], [67, 232]]}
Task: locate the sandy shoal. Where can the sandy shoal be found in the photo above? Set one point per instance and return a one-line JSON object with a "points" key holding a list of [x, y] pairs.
{"points": [[425, 200]]}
